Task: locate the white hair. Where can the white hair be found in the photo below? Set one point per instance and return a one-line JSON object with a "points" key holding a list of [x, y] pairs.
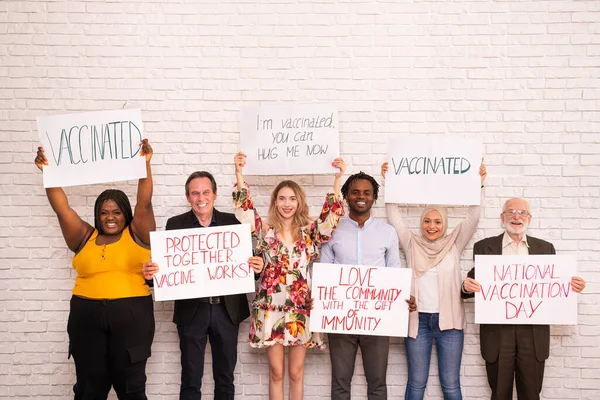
{"points": [[516, 198]]}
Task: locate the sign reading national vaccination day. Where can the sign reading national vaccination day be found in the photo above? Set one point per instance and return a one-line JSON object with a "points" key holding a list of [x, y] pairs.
{"points": [[433, 169], [289, 139], [528, 289], [92, 147]]}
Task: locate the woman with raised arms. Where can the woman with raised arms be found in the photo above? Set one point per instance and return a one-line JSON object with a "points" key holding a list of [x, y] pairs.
{"points": [[288, 242], [111, 318], [434, 258]]}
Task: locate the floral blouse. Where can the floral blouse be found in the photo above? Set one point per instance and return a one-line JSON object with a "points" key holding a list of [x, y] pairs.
{"points": [[279, 314]]}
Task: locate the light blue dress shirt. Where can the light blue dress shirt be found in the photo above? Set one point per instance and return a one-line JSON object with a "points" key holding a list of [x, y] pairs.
{"points": [[375, 244]]}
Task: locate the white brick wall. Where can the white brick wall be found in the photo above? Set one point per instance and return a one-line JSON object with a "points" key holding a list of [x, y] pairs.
{"points": [[522, 75]]}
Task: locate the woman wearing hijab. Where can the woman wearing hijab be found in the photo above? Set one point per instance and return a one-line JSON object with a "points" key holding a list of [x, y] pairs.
{"points": [[434, 258]]}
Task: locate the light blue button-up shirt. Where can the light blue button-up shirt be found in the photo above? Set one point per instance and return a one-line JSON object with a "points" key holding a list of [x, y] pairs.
{"points": [[375, 244]]}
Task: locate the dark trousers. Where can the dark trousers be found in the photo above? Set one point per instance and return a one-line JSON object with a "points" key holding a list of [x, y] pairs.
{"points": [[516, 361], [110, 342], [342, 351], [211, 322]]}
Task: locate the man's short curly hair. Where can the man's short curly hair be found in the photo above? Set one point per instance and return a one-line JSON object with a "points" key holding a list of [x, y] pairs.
{"points": [[356, 177]]}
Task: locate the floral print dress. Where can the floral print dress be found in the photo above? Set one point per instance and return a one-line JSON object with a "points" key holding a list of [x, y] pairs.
{"points": [[279, 315]]}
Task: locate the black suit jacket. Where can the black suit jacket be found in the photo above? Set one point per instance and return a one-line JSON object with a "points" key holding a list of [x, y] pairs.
{"points": [[490, 334], [236, 304]]}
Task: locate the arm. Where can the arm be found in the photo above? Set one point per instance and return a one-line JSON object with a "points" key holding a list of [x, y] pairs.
{"points": [[74, 229], [395, 219], [242, 200], [322, 228], [341, 165], [470, 285], [327, 255], [394, 216], [392, 252], [143, 216], [469, 225]]}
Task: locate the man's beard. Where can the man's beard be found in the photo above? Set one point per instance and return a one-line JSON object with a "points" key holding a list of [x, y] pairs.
{"points": [[513, 230]]}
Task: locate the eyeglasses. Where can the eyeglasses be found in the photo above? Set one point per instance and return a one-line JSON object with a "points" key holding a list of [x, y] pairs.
{"points": [[521, 213]]}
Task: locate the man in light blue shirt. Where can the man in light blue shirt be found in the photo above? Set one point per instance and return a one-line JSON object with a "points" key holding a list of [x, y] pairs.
{"points": [[361, 239]]}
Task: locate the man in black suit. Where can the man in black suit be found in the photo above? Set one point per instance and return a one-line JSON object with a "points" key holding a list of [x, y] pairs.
{"points": [[214, 318], [514, 351]]}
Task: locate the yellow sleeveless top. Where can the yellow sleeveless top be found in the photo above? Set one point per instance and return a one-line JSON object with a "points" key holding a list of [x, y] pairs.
{"points": [[111, 271]]}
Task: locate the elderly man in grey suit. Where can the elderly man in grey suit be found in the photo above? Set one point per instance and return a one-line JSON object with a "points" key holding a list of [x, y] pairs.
{"points": [[514, 351]]}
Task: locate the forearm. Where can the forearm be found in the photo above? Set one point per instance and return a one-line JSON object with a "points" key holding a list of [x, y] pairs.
{"points": [[145, 189], [239, 179], [58, 200], [336, 187]]}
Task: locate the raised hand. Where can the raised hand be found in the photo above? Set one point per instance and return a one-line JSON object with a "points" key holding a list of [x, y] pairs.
{"points": [[482, 171], [340, 164], [40, 159], [239, 160], [146, 150], [384, 168]]}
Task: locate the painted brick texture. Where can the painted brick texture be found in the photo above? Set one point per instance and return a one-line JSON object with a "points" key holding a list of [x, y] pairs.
{"points": [[521, 75]]}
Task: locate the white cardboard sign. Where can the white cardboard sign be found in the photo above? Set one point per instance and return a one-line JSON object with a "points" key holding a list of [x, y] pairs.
{"points": [[433, 169], [360, 300], [202, 262], [289, 139], [531, 289], [92, 147]]}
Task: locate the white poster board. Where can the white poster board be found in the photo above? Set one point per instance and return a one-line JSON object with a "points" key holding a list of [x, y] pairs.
{"points": [[360, 300], [433, 169], [289, 139], [202, 262], [92, 147], [533, 289]]}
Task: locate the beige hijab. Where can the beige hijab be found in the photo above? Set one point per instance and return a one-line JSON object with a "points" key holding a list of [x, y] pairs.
{"points": [[427, 254]]}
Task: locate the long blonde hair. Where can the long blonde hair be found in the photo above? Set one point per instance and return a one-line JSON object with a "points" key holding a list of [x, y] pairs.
{"points": [[301, 217]]}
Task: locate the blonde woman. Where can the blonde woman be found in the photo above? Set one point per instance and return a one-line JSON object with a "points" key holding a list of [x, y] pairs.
{"points": [[288, 242]]}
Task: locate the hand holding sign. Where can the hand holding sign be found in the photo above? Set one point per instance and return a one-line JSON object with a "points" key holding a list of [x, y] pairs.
{"points": [[40, 159], [256, 263], [482, 171], [577, 283], [471, 285], [146, 150], [340, 164], [149, 269]]}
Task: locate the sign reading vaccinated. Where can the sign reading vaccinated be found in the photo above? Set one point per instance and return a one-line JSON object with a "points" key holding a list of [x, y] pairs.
{"points": [[289, 139], [93, 147], [433, 169], [360, 300], [202, 262], [533, 289]]}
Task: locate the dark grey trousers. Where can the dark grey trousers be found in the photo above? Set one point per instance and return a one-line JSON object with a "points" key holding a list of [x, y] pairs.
{"points": [[342, 351]]}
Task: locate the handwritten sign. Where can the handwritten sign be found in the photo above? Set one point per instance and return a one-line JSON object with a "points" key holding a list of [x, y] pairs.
{"points": [[534, 289], [93, 147], [202, 262], [289, 139], [433, 169], [360, 300]]}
